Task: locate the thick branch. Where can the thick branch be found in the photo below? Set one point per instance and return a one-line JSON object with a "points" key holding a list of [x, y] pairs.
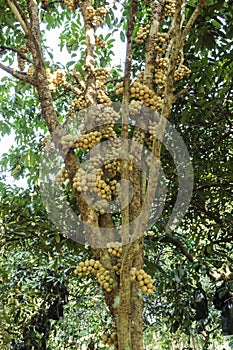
{"points": [[18, 75]]}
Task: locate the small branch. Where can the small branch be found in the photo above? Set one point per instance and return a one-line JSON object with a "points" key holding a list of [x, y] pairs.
{"points": [[19, 14], [78, 78], [176, 242], [128, 61], [3, 47], [181, 94], [114, 80], [90, 29], [125, 117], [191, 21], [17, 74], [156, 11]]}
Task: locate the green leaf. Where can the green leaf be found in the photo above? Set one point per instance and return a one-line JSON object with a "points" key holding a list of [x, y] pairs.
{"points": [[122, 36]]}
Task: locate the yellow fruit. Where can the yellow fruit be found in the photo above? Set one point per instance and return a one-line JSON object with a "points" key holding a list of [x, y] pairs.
{"points": [[149, 291], [106, 285], [139, 277], [144, 289], [146, 280]]}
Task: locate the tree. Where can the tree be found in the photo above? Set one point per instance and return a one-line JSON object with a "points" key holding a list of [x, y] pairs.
{"points": [[155, 34]]}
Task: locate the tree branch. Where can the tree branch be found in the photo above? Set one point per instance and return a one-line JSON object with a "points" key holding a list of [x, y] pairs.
{"points": [[19, 14], [21, 54], [128, 61], [156, 10], [181, 94], [176, 242], [18, 75], [191, 21]]}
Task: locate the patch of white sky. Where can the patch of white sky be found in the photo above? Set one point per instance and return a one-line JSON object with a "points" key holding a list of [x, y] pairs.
{"points": [[62, 56]]}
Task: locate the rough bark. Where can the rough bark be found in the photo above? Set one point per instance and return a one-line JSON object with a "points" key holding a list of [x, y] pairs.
{"points": [[156, 10]]}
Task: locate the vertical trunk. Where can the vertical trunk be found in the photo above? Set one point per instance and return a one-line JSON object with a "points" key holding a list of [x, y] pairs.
{"points": [[124, 311], [129, 325], [137, 305]]}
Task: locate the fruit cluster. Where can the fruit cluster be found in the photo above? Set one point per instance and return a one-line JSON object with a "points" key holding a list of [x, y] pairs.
{"points": [[21, 61], [109, 339], [135, 107], [101, 206], [80, 180], [161, 71], [143, 93], [30, 71], [117, 268], [96, 15], [106, 115], [94, 266], [140, 77], [181, 72], [77, 104], [119, 88], [87, 141], [102, 188], [58, 78], [161, 42], [70, 4], [102, 75], [99, 42], [61, 177], [84, 181], [67, 141], [110, 167], [153, 128], [143, 280], [146, 95], [170, 7], [114, 248], [142, 33]]}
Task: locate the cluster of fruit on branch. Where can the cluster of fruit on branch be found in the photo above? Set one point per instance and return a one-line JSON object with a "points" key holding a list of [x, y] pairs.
{"points": [[142, 34], [109, 338], [94, 266], [140, 277], [142, 93], [95, 16], [143, 280], [21, 61]]}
